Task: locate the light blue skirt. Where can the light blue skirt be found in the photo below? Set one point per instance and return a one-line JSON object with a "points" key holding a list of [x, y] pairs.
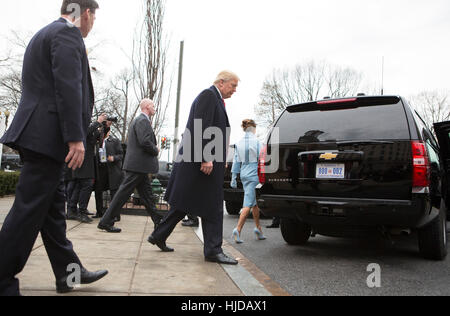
{"points": [[250, 185]]}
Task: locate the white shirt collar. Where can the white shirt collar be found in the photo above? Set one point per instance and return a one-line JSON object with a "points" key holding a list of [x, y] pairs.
{"points": [[148, 118], [219, 92], [68, 21]]}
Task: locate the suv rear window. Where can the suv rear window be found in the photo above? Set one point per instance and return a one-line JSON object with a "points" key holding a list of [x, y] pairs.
{"points": [[374, 122]]}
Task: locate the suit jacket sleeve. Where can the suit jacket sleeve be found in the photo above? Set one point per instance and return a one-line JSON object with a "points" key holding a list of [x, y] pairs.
{"points": [[145, 137], [66, 56], [118, 151], [205, 111]]}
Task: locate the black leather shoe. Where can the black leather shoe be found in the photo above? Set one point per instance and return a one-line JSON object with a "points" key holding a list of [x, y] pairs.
{"points": [[273, 226], [161, 244], [97, 216], [190, 223], [85, 278], [222, 259], [86, 212], [109, 228], [83, 218], [72, 216]]}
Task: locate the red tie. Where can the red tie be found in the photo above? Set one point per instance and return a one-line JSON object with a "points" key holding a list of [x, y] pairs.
{"points": [[224, 104]]}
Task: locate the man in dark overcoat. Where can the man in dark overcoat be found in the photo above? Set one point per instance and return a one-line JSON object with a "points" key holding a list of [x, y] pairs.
{"points": [[49, 129], [196, 183], [77, 207]]}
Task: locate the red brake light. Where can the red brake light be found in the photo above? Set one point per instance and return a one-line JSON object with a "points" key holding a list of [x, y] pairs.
{"points": [[262, 165], [336, 101], [421, 165]]}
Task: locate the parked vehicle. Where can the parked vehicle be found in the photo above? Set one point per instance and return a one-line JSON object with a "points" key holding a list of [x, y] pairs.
{"points": [[11, 162], [233, 197], [165, 170], [356, 165]]}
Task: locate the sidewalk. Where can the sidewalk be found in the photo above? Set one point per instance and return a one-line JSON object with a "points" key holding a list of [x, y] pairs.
{"points": [[136, 267]]}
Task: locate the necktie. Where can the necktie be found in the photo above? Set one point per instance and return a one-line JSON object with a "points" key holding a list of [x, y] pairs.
{"points": [[224, 104]]}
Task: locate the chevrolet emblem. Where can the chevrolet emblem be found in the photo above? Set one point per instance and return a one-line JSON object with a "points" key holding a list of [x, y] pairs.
{"points": [[328, 156]]}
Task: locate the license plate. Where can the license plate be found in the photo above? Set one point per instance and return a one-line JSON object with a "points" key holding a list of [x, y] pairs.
{"points": [[330, 171]]}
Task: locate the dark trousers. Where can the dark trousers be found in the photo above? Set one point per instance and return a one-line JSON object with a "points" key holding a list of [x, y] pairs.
{"points": [[99, 200], [81, 195], [212, 231], [131, 181], [39, 206]]}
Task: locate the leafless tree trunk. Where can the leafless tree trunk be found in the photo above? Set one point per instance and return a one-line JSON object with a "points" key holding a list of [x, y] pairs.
{"points": [[149, 61], [432, 106], [304, 83]]}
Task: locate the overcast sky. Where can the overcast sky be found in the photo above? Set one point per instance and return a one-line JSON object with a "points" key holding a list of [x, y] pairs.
{"points": [[252, 37]]}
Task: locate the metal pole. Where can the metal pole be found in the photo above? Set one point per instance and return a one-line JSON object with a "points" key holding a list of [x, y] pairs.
{"points": [[177, 115], [382, 76]]}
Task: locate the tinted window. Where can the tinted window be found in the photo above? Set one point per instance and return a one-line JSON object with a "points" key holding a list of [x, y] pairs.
{"points": [[380, 122]]}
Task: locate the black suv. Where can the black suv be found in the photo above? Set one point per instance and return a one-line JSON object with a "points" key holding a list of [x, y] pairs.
{"points": [[351, 166]]}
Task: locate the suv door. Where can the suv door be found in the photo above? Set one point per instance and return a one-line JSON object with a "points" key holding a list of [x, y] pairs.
{"points": [[443, 135]]}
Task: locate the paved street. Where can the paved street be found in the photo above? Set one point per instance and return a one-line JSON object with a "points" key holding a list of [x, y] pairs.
{"points": [[326, 266], [332, 266], [136, 267]]}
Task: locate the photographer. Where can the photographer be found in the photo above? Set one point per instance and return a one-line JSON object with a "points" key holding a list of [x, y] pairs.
{"points": [[109, 157], [84, 177]]}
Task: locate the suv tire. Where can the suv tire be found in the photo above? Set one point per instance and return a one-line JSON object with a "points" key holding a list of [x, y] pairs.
{"points": [[433, 237], [295, 232], [233, 208]]}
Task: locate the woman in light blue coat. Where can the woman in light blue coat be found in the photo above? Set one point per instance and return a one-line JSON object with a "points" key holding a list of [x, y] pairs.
{"points": [[246, 163]]}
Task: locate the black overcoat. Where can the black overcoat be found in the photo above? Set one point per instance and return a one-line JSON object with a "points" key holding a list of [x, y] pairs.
{"points": [[189, 190], [114, 148], [87, 170]]}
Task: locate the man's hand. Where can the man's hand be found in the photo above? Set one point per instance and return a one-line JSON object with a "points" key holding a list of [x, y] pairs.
{"points": [[75, 158], [111, 158], [207, 168]]}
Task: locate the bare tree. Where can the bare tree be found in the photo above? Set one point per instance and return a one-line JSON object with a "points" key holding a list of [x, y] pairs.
{"points": [[122, 101], [432, 106], [304, 83], [149, 59]]}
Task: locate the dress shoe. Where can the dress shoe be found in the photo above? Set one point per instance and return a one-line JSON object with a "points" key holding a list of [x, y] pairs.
{"points": [[259, 234], [86, 277], [161, 244], [83, 218], [237, 236], [72, 216], [222, 259], [273, 226], [190, 223], [86, 212], [97, 216], [109, 228]]}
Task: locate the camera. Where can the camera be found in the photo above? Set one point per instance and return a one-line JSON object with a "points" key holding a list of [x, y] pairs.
{"points": [[112, 119]]}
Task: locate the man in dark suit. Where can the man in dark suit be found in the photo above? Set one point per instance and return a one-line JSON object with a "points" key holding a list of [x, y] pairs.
{"points": [[196, 183], [140, 161], [49, 129], [77, 207], [109, 170]]}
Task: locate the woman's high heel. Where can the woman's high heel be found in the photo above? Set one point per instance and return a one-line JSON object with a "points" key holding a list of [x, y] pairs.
{"points": [[237, 236], [259, 234]]}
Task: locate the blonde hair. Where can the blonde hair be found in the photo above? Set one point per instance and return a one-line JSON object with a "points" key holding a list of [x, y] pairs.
{"points": [[226, 76], [247, 124]]}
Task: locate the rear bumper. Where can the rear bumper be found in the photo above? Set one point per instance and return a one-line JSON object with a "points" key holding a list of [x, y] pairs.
{"points": [[323, 211]]}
